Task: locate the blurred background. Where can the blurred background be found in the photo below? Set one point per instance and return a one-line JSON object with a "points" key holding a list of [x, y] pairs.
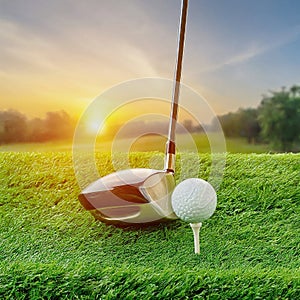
{"points": [[241, 56]]}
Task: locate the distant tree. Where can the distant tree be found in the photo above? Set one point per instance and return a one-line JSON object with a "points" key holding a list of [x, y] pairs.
{"points": [[188, 125], [16, 128], [37, 130], [295, 91], [230, 124], [242, 123], [248, 124], [13, 127], [279, 118], [58, 125]]}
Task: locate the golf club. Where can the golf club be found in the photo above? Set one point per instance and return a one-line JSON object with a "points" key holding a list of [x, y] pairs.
{"points": [[140, 196]]}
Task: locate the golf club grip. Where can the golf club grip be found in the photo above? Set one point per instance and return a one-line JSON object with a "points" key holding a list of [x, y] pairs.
{"points": [[181, 40], [170, 147]]}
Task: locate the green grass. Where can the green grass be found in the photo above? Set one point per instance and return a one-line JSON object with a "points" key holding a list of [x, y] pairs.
{"points": [[51, 248]]}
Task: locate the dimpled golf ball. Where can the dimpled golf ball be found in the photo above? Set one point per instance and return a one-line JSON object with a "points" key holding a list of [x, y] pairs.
{"points": [[194, 200]]}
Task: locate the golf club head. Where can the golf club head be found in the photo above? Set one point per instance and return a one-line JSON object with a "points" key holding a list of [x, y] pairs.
{"points": [[131, 197]]}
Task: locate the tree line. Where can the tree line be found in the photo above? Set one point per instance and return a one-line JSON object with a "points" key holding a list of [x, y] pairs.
{"points": [[15, 127], [276, 120]]}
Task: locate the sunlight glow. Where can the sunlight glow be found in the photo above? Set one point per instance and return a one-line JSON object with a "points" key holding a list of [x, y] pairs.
{"points": [[96, 127]]}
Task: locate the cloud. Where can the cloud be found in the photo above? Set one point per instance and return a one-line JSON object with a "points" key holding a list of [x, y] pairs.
{"points": [[82, 47], [112, 41], [256, 49], [22, 49]]}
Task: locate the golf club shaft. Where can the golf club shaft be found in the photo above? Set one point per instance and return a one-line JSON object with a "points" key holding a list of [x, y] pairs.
{"points": [[170, 147]]}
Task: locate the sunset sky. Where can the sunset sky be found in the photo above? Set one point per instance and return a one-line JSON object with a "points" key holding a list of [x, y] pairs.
{"points": [[60, 54]]}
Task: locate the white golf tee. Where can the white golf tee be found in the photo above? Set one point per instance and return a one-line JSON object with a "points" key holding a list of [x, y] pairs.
{"points": [[196, 229]]}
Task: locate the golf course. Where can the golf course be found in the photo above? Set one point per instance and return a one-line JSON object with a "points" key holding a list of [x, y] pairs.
{"points": [[149, 150], [51, 248]]}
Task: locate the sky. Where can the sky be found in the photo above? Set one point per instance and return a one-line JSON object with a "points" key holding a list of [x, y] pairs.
{"points": [[61, 54]]}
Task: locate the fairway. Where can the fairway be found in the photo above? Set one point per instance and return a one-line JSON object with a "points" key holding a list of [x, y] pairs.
{"points": [[51, 248], [197, 142]]}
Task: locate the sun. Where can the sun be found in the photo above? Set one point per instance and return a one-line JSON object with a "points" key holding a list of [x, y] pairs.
{"points": [[95, 127]]}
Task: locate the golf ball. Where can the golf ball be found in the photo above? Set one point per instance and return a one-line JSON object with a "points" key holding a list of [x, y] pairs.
{"points": [[194, 200]]}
